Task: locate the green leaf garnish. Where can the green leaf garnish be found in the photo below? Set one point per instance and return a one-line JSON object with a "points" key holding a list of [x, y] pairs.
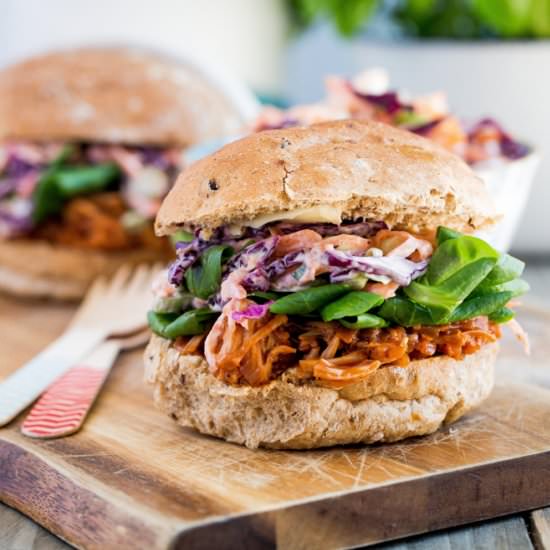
{"points": [[365, 320], [454, 254], [442, 299], [502, 315], [516, 288], [190, 323], [506, 269], [204, 278], [480, 305], [181, 236], [308, 300], [403, 312], [79, 180], [352, 304], [59, 183], [444, 234]]}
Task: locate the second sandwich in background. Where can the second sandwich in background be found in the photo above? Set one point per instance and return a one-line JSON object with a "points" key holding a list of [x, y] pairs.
{"points": [[90, 141]]}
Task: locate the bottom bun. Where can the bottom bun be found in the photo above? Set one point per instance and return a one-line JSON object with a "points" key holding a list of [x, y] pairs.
{"points": [[394, 403], [38, 269]]}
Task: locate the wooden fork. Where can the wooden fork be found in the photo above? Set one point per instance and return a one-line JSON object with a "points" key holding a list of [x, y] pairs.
{"points": [[112, 308], [63, 407]]}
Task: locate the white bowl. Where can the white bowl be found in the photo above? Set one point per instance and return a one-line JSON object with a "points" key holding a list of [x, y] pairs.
{"points": [[509, 184]]}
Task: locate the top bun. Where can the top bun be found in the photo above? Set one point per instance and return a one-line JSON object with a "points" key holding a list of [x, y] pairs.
{"points": [[111, 95], [364, 169]]}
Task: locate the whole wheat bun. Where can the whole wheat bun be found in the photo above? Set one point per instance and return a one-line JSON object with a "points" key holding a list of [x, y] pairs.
{"points": [[118, 95], [38, 269], [394, 403], [367, 169]]}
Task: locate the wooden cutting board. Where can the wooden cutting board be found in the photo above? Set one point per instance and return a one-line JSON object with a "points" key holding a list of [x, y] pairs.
{"points": [[132, 479]]}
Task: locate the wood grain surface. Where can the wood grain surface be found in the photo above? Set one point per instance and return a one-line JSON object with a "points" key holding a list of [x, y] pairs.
{"points": [[132, 479], [540, 527]]}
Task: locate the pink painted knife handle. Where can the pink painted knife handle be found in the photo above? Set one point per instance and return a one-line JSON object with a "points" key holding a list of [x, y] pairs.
{"points": [[64, 406]]}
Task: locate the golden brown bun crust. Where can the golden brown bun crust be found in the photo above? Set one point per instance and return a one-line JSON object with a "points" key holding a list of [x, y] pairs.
{"points": [[112, 95], [395, 403], [369, 169], [38, 269]]}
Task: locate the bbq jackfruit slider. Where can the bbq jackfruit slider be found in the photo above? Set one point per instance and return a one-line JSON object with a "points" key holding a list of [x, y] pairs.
{"points": [[327, 289], [90, 142]]}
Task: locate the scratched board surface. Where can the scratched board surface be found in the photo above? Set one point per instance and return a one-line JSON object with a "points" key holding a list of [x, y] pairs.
{"points": [[132, 479]]}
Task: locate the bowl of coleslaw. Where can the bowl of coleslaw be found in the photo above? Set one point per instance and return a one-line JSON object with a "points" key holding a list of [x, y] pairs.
{"points": [[506, 164]]}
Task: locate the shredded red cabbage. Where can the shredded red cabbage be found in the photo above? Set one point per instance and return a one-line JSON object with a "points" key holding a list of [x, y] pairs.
{"points": [[400, 270], [425, 129], [262, 272], [389, 101], [255, 311], [509, 147], [361, 229]]}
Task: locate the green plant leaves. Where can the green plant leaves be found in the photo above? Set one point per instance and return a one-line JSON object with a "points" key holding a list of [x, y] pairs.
{"points": [[349, 16], [204, 278], [480, 305], [458, 266], [444, 234], [351, 305], [403, 312], [79, 180], [194, 321], [506, 269], [502, 315], [60, 183], [516, 288], [505, 17], [443, 298], [454, 254], [455, 19], [308, 300], [181, 236], [540, 18], [365, 320]]}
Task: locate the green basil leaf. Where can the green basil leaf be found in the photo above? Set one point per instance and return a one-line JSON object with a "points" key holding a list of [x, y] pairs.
{"points": [[405, 313], [169, 325], [159, 321], [266, 296], [78, 180], [204, 279], [502, 315], [365, 320], [444, 234], [480, 305], [47, 198], [352, 304], [516, 287], [453, 255], [444, 298], [506, 269], [308, 300], [194, 321], [181, 236]]}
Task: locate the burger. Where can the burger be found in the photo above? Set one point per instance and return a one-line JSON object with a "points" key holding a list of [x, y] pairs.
{"points": [[328, 289], [90, 142]]}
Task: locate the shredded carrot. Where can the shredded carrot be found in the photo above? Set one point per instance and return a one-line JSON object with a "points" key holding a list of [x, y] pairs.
{"points": [[340, 376], [189, 346], [94, 222], [327, 352]]}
